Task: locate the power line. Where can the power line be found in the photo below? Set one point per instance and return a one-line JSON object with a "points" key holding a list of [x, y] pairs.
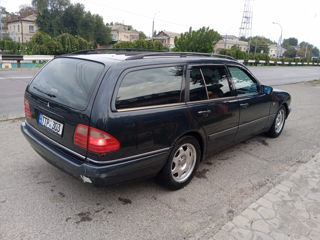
{"points": [[135, 14]]}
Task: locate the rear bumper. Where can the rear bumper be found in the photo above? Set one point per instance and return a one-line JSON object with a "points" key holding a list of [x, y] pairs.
{"points": [[146, 166]]}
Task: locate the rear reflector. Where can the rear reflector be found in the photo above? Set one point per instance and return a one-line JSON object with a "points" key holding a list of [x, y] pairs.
{"points": [[27, 112], [94, 139]]}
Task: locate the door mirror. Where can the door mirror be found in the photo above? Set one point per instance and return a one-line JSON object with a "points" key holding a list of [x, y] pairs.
{"points": [[266, 89]]}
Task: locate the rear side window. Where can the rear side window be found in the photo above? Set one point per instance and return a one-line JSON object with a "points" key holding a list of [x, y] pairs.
{"points": [[67, 81], [208, 82], [216, 81], [149, 87]]}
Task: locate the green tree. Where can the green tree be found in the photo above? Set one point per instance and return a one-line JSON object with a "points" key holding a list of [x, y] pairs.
{"points": [[202, 40], [289, 42], [291, 52], [42, 43], [141, 44], [123, 45], [56, 17], [307, 50], [259, 44], [142, 35]]}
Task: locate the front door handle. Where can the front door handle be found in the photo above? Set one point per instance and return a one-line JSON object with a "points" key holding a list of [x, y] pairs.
{"points": [[244, 105]]}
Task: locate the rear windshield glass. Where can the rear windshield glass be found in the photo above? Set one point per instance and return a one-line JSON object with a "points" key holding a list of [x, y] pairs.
{"points": [[67, 81]]}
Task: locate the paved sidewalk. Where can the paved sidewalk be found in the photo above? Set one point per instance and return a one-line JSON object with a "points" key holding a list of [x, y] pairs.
{"points": [[290, 210]]}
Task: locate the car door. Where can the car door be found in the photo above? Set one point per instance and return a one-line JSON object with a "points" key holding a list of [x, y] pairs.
{"points": [[212, 104], [254, 105]]}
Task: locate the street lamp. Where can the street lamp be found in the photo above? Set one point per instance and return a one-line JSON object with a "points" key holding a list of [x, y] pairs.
{"points": [[280, 40], [154, 16]]}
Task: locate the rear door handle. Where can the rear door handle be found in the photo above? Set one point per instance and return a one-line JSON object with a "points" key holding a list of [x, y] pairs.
{"points": [[244, 105], [204, 113]]}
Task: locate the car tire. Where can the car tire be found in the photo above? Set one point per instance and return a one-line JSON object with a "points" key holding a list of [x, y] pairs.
{"points": [[278, 123], [182, 163]]}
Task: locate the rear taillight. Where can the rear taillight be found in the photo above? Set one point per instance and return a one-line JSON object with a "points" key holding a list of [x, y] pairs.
{"points": [[94, 139], [27, 112]]}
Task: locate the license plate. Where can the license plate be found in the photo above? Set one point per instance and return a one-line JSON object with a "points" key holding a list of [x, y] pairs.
{"points": [[50, 124]]}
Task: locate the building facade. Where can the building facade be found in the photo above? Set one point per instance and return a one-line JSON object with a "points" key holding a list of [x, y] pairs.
{"points": [[273, 50], [22, 29], [121, 33], [166, 38], [229, 41]]}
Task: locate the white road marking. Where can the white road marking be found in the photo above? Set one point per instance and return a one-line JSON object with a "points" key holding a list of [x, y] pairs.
{"points": [[16, 77]]}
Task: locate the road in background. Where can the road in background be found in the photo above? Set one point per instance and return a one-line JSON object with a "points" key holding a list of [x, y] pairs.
{"points": [[13, 83], [285, 75], [38, 201], [12, 86]]}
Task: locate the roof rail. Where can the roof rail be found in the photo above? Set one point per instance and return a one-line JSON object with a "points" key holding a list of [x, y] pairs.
{"points": [[106, 50], [176, 54], [137, 53]]}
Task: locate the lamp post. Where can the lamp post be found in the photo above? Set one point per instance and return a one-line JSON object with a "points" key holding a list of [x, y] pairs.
{"points": [[154, 16], [280, 40]]}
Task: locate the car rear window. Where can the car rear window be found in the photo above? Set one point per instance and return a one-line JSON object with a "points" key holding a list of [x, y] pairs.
{"points": [[67, 81]]}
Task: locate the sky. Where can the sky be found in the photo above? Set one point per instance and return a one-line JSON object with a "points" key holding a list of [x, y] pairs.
{"points": [[300, 19]]}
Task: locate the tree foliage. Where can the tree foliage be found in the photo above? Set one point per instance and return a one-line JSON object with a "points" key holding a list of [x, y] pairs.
{"points": [[236, 53], [291, 52], [141, 44], [307, 50], [259, 44], [42, 43], [289, 42], [56, 17], [142, 35], [202, 40]]}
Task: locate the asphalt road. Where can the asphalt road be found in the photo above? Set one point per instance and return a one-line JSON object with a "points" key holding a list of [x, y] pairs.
{"points": [[38, 201], [13, 84]]}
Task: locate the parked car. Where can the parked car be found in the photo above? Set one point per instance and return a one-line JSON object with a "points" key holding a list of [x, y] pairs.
{"points": [[109, 117]]}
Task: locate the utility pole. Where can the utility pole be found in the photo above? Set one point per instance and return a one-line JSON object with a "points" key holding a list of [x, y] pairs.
{"points": [[154, 16], [279, 47], [0, 24], [305, 54]]}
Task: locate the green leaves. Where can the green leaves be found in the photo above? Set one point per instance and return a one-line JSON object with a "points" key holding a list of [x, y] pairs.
{"points": [[202, 40], [141, 44], [56, 17], [42, 43]]}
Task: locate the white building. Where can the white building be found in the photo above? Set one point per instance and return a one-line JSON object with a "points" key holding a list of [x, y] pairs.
{"points": [[22, 29], [273, 49], [229, 41]]}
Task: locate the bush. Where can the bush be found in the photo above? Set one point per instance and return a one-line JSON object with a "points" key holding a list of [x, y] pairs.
{"points": [[141, 44]]}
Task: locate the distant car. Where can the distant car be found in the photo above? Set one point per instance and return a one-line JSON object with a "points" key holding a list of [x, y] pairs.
{"points": [[109, 117]]}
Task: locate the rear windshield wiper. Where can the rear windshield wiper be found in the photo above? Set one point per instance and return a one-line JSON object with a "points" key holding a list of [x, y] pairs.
{"points": [[46, 93]]}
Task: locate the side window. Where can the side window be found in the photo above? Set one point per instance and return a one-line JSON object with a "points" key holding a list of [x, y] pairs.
{"points": [[208, 82], [148, 87], [197, 88], [242, 81], [216, 81]]}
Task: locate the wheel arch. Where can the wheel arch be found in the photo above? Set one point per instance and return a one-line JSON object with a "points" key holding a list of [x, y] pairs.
{"points": [[200, 137]]}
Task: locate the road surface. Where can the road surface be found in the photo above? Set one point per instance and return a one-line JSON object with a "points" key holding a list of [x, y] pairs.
{"points": [[38, 201]]}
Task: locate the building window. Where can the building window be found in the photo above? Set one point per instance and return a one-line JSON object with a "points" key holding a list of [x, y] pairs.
{"points": [[18, 28], [31, 28]]}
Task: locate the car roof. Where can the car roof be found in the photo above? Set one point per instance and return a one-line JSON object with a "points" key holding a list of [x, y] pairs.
{"points": [[136, 58]]}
